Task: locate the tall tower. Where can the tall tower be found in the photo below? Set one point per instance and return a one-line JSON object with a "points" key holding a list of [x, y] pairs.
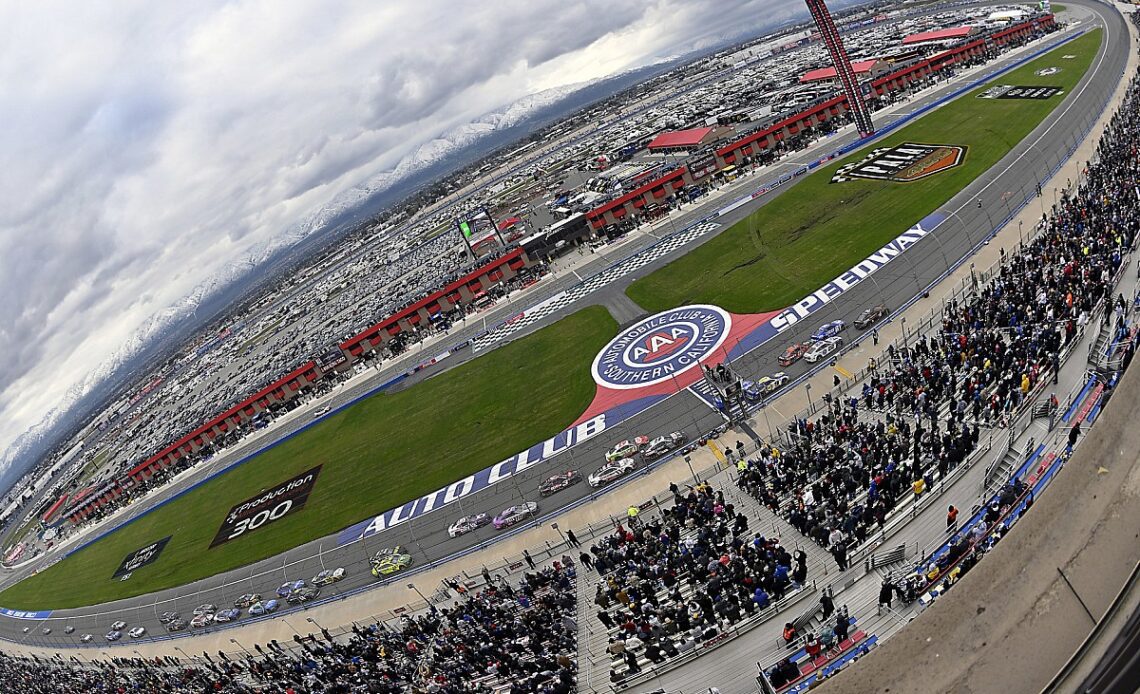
{"points": [[842, 64]]}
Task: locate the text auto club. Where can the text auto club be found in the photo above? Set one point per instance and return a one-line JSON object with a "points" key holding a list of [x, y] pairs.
{"points": [[590, 428]]}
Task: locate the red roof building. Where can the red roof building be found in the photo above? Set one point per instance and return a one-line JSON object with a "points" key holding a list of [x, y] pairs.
{"points": [[862, 68], [939, 35], [681, 139]]}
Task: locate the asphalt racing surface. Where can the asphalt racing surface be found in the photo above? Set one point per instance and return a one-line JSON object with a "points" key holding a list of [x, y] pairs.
{"points": [[1000, 192]]}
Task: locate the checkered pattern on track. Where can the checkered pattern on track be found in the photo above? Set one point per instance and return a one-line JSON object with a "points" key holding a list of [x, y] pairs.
{"points": [[592, 284]]}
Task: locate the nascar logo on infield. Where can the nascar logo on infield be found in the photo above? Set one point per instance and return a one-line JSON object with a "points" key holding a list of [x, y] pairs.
{"points": [[661, 346]]}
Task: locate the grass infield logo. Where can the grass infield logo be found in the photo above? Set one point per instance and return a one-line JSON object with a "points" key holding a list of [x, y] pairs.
{"points": [[902, 163], [661, 347]]}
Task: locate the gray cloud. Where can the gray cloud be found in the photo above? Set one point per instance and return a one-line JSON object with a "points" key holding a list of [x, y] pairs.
{"points": [[146, 145]]}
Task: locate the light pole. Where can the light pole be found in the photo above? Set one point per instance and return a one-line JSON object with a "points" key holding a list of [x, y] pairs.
{"points": [[235, 642], [811, 406], [412, 586], [560, 533], [689, 462], [290, 625]]}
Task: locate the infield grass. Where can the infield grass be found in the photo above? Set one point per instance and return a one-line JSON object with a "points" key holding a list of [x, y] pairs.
{"points": [[376, 455], [815, 230]]}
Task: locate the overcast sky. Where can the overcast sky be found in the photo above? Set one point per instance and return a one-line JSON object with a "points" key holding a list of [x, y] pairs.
{"points": [[146, 144]]}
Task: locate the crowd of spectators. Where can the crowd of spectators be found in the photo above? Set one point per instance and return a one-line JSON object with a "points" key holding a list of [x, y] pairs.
{"points": [[672, 583], [920, 412], [514, 639]]}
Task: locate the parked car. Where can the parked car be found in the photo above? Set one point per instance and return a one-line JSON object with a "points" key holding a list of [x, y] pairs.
{"points": [[260, 608], [468, 523], [612, 471], [247, 600], [763, 387], [662, 445], [328, 577], [284, 589], [823, 349], [515, 514], [828, 330], [228, 615], [627, 448], [306, 594], [793, 353], [556, 483], [202, 620], [390, 560], [870, 316]]}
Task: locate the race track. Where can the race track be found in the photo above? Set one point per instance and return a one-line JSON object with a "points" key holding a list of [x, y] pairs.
{"points": [[1000, 192]]}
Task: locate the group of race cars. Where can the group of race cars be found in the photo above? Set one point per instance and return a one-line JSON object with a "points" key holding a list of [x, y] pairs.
{"points": [[292, 592], [621, 459], [826, 341]]}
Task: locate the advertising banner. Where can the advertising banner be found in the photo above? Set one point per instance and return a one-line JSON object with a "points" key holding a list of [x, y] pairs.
{"points": [[141, 557], [267, 507]]}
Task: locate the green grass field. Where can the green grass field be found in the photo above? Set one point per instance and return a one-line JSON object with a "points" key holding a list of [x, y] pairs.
{"points": [[816, 229], [376, 455]]}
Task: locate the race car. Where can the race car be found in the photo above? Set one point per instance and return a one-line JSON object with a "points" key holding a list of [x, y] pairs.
{"points": [[168, 617], [662, 445], [177, 625], [389, 561], [468, 523], [47, 631], [828, 330], [627, 448], [27, 630], [306, 594], [137, 632], [285, 588], [205, 609], [113, 635], [556, 483], [260, 607], [870, 316], [823, 349], [69, 629], [201, 621], [611, 471], [793, 353], [86, 638], [763, 387], [322, 412], [247, 600], [118, 626], [515, 514], [228, 615], [328, 577]]}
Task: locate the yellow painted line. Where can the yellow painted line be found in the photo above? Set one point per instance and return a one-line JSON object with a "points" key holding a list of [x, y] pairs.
{"points": [[842, 371]]}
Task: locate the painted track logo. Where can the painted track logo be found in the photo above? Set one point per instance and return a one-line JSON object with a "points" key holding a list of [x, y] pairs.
{"points": [[902, 163], [661, 347]]}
